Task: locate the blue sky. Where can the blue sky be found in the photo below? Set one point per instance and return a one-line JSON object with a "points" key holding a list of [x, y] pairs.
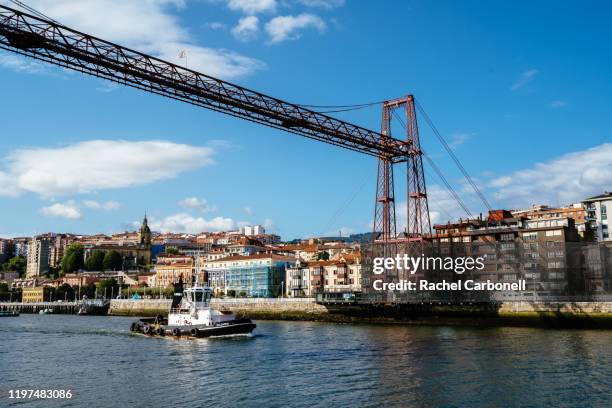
{"points": [[520, 90]]}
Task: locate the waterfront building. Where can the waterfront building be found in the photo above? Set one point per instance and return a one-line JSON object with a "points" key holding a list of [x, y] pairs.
{"points": [[35, 294], [298, 280], [597, 209], [577, 212], [38, 257], [258, 275], [342, 274], [543, 252], [169, 268]]}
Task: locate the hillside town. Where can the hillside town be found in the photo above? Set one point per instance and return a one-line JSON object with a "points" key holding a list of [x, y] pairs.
{"points": [[540, 244]]}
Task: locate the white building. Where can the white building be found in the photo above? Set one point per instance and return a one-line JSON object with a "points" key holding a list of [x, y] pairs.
{"points": [[597, 209], [38, 258], [252, 230]]}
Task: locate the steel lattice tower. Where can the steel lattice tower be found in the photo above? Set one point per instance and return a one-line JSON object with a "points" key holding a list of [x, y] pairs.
{"points": [[417, 214]]}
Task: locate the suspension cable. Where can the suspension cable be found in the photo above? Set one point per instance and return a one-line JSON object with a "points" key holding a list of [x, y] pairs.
{"points": [[437, 170], [31, 10], [452, 155]]}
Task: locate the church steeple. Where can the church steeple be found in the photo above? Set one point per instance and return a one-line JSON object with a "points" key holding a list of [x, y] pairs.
{"points": [[144, 234]]}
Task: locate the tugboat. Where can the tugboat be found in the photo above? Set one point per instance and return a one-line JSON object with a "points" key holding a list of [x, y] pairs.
{"points": [[190, 315]]}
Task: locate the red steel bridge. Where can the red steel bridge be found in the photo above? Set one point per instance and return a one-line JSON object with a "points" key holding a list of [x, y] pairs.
{"points": [[36, 36]]}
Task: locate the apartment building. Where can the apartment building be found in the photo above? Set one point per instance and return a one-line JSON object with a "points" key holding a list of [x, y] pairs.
{"points": [[258, 275], [597, 209], [169, 268], [543, 252], [38, 257]]}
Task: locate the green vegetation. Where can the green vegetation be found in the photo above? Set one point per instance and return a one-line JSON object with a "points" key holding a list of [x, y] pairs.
{"points": [[15, 264], [323, 256], [172, 251], [95, 261], [73, 259], [112, 261]]}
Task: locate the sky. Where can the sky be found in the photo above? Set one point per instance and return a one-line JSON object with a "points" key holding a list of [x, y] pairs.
{"points": [[520, 90]]}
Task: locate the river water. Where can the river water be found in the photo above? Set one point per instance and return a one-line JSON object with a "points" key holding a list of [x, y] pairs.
{"points": [[303, 364]]}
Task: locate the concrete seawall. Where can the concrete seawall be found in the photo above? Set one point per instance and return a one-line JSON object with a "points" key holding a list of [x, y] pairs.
{"points": [[289, 309], [540, 314]]}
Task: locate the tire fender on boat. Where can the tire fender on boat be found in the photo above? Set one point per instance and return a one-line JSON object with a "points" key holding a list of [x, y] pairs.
{"points": [[146, 329], [176, 331], [133, 326], [160, 331], [194, 332]]}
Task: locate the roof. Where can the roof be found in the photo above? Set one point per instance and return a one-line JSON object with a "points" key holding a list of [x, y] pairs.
{"points": [[261, 255], [605, 195]]}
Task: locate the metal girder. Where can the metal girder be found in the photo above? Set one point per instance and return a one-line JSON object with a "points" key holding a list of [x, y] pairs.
{"points": [[49, 41]]}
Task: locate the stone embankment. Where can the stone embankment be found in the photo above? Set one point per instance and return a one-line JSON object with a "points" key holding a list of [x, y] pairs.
{"points": [[540, 314]]}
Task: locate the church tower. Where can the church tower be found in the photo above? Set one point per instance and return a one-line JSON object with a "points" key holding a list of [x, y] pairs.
{"points": [[144, 234]]}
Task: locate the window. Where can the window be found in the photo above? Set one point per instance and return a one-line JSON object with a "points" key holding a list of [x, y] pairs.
{"points": [[555, 264], [556, 275], [530, 236], [507, 246], [554, 233], [506, 237], [532, 275], [604, 212]]}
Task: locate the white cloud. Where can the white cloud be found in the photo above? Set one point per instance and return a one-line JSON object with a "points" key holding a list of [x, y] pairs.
{"points": [[524, 79], [284, 28], [564, 180], [147, 26], [458, 139], [67, 210], [96, 165], [107, 206], [252, 6], [324, 4], [558, 104], [216, 25], [183, 222], [195, 203], [20, 64], [247, 28]]}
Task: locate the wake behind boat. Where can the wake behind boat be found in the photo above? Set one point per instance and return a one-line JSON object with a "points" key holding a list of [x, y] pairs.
{"points": [[190, 314]]}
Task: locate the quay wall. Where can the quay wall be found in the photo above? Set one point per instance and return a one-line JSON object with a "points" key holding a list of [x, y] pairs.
{"points": [[260, 308], [541, 314]]}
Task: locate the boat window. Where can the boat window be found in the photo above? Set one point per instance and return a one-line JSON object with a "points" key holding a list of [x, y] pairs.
{"points": [[199, 296]]}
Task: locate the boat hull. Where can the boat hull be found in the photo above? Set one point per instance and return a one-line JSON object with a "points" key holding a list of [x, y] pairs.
{"points": [[153, 328]]}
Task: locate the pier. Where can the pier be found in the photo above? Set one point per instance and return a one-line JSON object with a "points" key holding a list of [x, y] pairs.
{"points": [[35, 307]]}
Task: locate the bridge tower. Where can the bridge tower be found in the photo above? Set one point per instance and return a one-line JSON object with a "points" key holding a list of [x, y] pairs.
{"points": [[418, 223]]}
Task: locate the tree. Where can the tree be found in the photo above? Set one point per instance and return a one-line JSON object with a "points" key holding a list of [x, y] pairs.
{"points": [[64, 292], [112, 261], [72, 260], [172, 251], [323, 256], [95, 262], [16, 264]]}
